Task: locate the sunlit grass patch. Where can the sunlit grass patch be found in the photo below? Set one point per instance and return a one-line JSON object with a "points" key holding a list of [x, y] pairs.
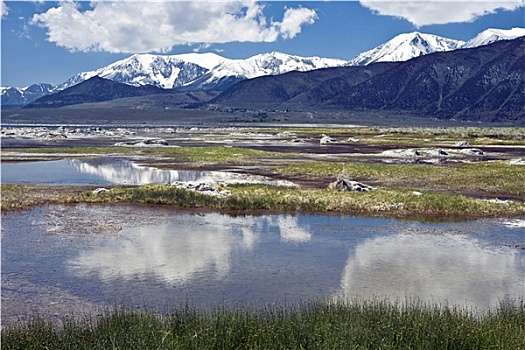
{"points": [[498, 178], [388, 202], [221, 153]]}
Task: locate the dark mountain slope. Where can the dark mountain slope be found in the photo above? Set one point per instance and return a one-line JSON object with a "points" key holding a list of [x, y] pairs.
{"points": [[270, 91], [332, 87], [483, 83], [469, 83], [95, 89]]}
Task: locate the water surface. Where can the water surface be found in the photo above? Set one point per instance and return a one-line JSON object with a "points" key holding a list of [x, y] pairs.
{"points": [[59, 259], [108, 170]]}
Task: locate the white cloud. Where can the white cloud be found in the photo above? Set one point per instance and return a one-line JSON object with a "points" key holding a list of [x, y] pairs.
{"points": [[423, 12], [4, 10], [294, 19], [128, 26]]}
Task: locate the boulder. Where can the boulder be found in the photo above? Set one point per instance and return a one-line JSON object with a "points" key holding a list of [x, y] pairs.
{"points": [[350, 185], [402, 153], [472, 152], [517, 161], [202, 188], [144, 143], [437, 153], [326, 140]]}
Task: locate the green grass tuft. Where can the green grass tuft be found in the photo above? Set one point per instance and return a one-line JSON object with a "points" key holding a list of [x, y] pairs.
{"points": [[367, 324]]}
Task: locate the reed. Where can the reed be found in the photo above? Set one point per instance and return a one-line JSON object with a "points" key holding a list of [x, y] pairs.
{"points": [[364, 324]]}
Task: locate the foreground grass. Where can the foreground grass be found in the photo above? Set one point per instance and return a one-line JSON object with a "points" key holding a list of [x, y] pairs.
{"points": [[332, 325]]}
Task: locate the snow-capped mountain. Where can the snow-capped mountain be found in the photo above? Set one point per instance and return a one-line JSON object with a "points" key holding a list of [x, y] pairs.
{"points": [[406, 46], [273, 63], [209, 71], [164, 71], [492, 35], [199, 71], [410, 45], [13, 96]]}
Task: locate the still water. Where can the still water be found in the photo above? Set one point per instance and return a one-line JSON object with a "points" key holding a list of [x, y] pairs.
{"points": [[107, 171], [62, 259]]}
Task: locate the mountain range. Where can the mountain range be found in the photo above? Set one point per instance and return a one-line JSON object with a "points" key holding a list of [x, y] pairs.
{"points": [[13, 97], [208, 71], [485, 83]]}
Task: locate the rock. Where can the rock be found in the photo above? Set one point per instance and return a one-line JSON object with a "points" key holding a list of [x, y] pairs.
{"points": [[144, 143], [437, 152], [517, 161], [202, 188], [160, 142], [404, 153], [462, 144], [350, 185], [326, 140], [498, 201], [417, 193], [472, 152]]}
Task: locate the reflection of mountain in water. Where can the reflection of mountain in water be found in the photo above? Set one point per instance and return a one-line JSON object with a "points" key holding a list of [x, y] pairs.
{"points": [[129, 173], [191, 248], [433, 268]]}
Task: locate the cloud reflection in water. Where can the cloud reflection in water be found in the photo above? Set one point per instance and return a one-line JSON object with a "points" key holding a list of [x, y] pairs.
{"points": [[433, 268], [183, 250]]}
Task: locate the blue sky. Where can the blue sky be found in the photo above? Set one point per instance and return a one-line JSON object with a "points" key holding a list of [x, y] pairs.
{"points": [[47, 41]]}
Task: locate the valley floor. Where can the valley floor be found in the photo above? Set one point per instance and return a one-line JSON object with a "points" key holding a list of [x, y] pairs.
{"points": [[415, 171]]}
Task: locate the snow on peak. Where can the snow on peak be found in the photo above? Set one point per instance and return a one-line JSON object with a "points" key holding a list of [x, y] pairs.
{"points": [[406, 46], [174, 71], [492, 35], [212, 71], [164, 71], [271, 63]]}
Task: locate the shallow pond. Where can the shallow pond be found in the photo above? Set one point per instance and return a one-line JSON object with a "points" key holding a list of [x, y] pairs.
{"points": [[107, 170], [59, 260]]}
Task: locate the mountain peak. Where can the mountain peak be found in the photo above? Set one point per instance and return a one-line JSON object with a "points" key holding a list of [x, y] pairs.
{"points": [[491, 35], [406, 46]]}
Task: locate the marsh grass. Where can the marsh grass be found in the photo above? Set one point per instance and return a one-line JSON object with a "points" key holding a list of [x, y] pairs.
{"points": [[498, 178], [408, 136], [223, 154], [366, 324], [385, 202], [215, 151], [397, 202]]}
